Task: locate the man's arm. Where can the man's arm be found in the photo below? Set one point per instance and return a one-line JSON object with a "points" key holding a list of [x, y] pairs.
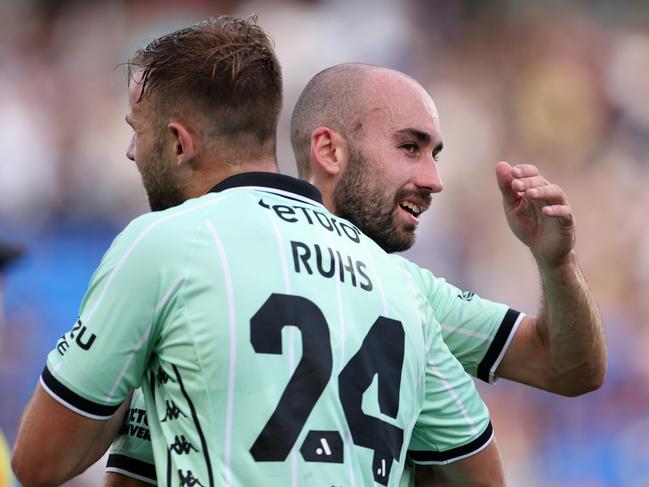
{"points": [[563, 349], [73, 415], [113, 479], [484, 469], [55, 443], [130, 458]]}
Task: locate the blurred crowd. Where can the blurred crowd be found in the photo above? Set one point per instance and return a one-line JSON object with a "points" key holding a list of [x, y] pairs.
{"points": [[563, 87]]}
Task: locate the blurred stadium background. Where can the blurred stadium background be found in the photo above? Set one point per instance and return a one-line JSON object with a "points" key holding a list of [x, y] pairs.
{"points": [[563, 86]]}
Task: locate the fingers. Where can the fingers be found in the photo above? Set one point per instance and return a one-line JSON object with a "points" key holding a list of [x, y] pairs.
{"points": [[513, 181], [524, 170], [526, 180], [562, 212], [548, 197], [551, 193], [504, 178]]}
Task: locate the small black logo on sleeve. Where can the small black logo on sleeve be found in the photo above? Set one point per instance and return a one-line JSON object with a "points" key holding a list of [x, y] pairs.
{"points": [[181, 445], [189, 480], [163, 377], [466, 296], [172, 412]]}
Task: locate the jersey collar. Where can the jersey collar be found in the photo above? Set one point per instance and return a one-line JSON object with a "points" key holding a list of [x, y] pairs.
{"points": [[272, 181]]}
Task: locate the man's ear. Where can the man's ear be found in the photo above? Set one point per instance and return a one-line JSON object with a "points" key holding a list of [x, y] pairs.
{"points": [[183, 143], [328, 151]]}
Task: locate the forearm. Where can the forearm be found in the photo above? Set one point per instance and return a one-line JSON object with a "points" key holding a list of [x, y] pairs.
{"points": [[570, 327], [112, 479], [51, 440], [103, 441], [55, 444], [483, 469]]}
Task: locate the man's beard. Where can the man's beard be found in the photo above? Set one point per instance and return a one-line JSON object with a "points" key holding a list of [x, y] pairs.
{"points": [[160, 181], [359, 198]]}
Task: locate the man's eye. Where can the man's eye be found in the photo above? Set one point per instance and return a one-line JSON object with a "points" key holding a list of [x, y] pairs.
{"points": [[410, 147]]}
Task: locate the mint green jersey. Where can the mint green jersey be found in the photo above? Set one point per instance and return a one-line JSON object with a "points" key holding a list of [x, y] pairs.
{"points": [[273, 342], [477, 331]]}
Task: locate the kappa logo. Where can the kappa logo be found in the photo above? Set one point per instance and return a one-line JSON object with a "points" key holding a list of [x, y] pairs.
{"points": [[181, 445], [188, 479], [466, 296], [163, 377], [173, 412]]}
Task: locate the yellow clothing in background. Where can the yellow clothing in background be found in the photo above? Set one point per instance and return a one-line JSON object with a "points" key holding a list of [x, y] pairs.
{"points": [[6, 477]]}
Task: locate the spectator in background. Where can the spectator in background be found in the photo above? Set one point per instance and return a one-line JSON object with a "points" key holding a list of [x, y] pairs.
{"points": [[8, 253], [6, 477], [488, 65]]}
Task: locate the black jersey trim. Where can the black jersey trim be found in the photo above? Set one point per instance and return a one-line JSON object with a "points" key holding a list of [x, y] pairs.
{"points": [[270, 180], [298, 200], [496, 347], [126, 465], [198, 427], [75, 401], [448, 456], [168, 466]]}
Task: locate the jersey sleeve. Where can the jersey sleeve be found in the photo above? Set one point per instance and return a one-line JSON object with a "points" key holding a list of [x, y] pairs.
{"points": [[454, 422], [104, 355], [408, 475], [131, 453], [477, 331]]}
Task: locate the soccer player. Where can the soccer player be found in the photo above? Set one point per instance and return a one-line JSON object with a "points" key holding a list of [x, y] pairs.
{"points": [[274, 343], [368, 138]]}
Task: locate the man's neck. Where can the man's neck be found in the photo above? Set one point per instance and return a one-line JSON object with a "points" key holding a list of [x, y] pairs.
{"points": [[202, 183], [326, 187]]}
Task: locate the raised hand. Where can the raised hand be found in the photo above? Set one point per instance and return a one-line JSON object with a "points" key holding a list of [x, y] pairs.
{"points": [[537, 211]]}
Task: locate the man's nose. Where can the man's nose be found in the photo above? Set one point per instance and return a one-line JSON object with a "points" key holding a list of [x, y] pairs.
{"points": [[428, 176], [130, 151]]}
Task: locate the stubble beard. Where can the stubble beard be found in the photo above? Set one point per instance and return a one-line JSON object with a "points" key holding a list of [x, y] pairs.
{"points": [[359, 198], [160, 181]]}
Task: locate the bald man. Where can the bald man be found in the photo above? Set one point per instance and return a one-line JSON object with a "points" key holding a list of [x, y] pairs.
{"points": [[368, 138]]}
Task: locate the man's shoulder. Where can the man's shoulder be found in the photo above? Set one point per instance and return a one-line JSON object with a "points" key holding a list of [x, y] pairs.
{"points": [[425, 279], [174, 222], [154, 236], [409, 266]]}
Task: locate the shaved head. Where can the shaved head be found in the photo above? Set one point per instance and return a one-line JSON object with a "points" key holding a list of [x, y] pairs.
{"points": [[389, 124], [340, 98], [334, 98]]}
